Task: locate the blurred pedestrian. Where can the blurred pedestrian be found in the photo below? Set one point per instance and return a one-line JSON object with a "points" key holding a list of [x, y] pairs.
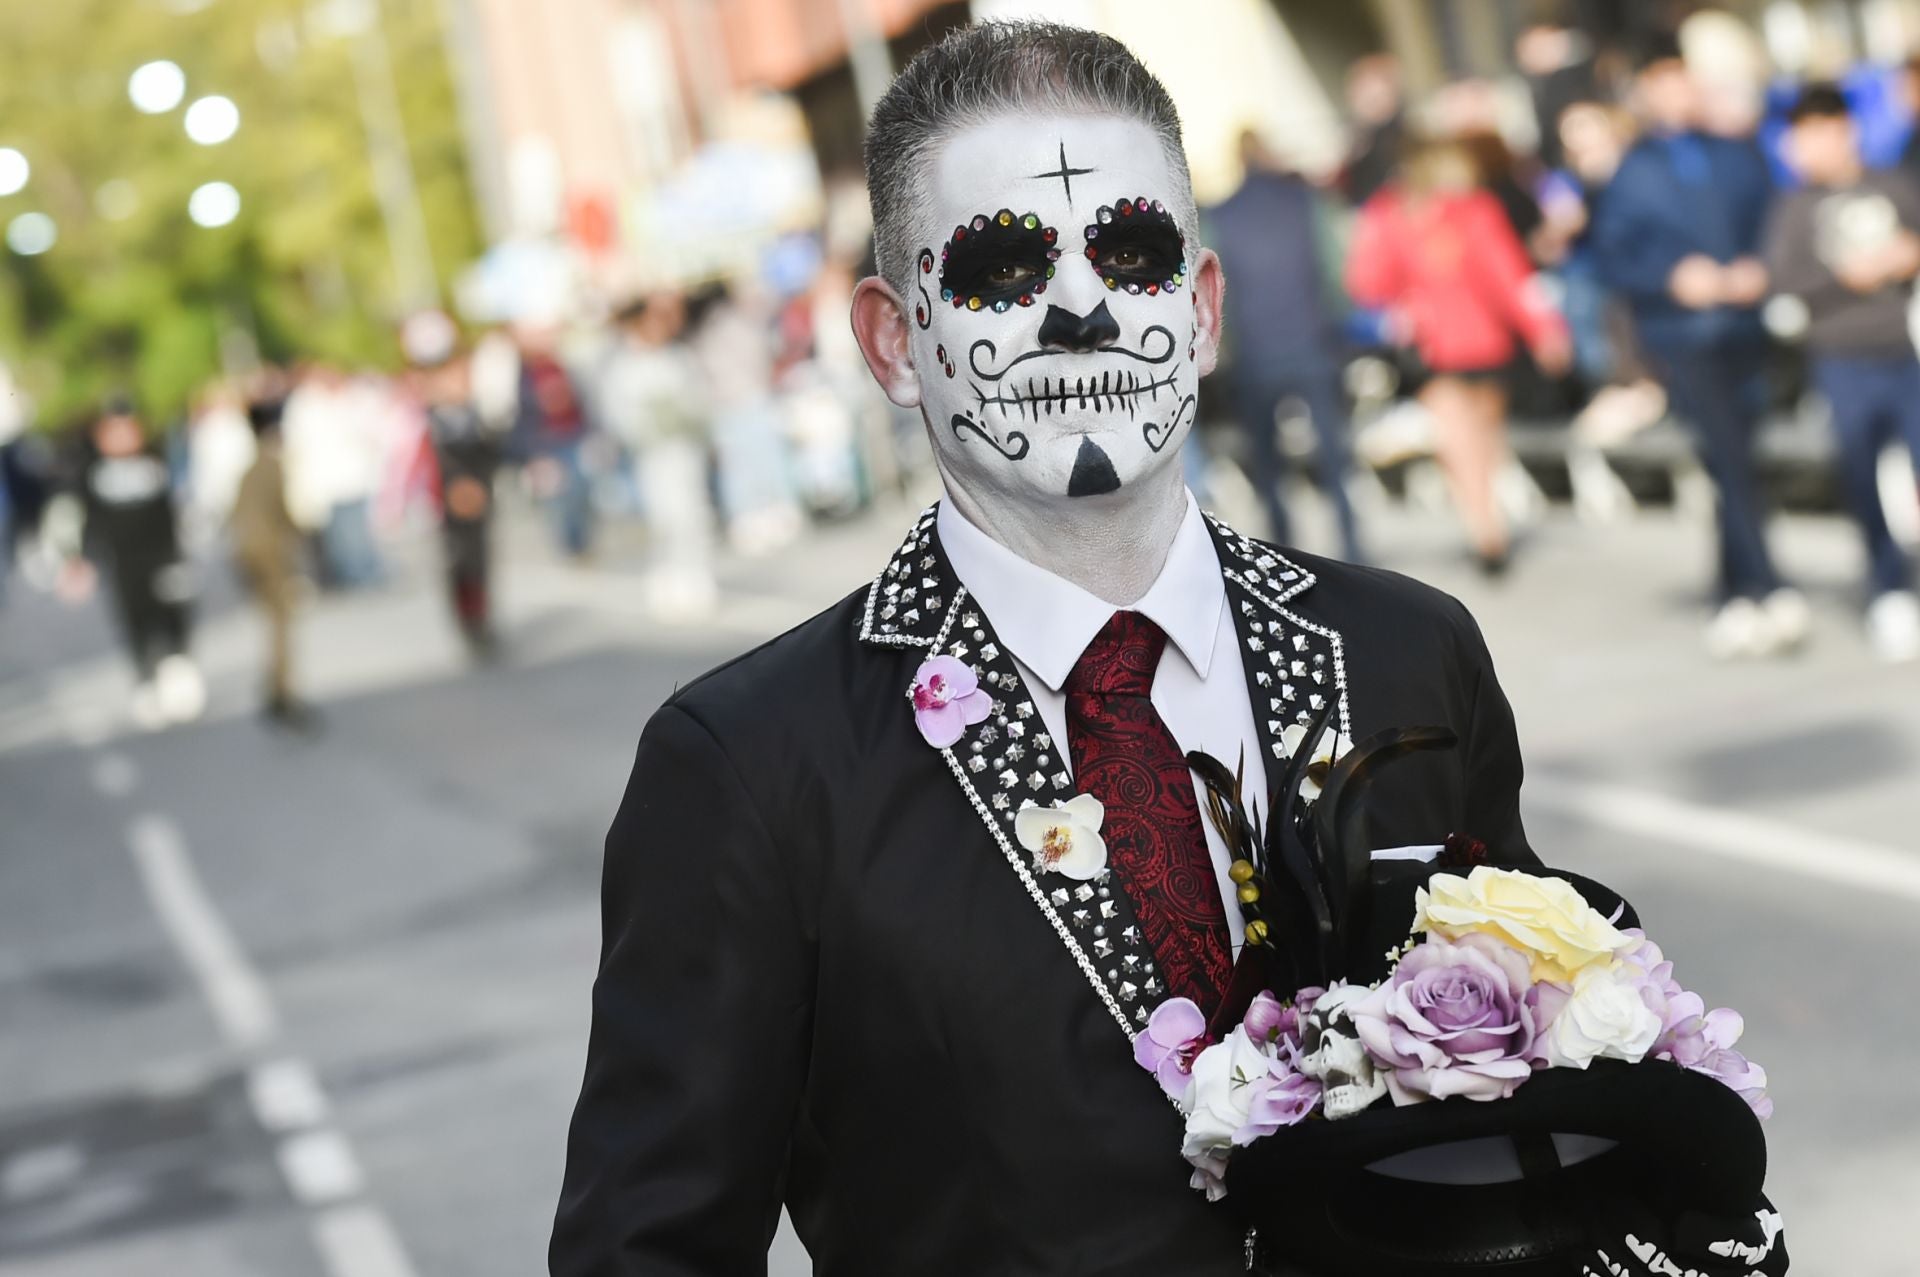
{"points": [[656, 404], [335, 456], [266, 547], [734, 347], [1678, 235], [1437, 249], [1283, 318], [220, 449], [1845, 244], [552, 431], [1376, 104], [467, 451], [130, 535]]}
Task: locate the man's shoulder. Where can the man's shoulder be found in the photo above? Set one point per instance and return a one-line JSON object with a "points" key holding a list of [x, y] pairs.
{"points": [[795, 681]]}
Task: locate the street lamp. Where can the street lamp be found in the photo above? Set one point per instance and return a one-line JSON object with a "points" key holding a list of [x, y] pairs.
{"points": [[14, 170], [156, 87]]}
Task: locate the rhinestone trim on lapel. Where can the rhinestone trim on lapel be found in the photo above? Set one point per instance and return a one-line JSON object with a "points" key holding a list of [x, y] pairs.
{"points": [[1293, 664], [1008, 762]]}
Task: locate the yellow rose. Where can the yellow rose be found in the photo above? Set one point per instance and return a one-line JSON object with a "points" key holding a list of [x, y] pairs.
{"points": [[1543, 917]]}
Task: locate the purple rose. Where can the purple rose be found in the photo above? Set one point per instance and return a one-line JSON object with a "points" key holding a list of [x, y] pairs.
{"points": [[1452, 1019], [1175, 1033], [947, 700]]}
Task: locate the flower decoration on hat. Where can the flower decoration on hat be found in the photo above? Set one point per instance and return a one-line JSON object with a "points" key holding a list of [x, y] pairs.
{"points": [[947, 700], [1065, 839]]}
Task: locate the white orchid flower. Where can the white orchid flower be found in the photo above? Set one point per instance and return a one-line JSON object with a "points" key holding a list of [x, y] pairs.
{"points": [[1065, 839]]}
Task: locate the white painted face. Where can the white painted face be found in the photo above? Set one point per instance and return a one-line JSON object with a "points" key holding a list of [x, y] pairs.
{"points": [[1052, 307]]}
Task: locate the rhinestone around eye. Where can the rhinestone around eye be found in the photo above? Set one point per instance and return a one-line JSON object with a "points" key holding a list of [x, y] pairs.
{"points": [[980, 222], [1030, 222], [1104, 216], [1004, 217]]}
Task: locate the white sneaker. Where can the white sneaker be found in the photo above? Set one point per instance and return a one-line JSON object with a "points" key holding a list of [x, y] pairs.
{"points": [[1789, 620], [145, 708], [1893, 626], [1737, 630], [182, 692]]}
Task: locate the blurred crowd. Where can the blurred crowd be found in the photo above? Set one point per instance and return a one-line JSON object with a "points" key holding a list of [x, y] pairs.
{"points": [[1612, 242], [722, 418]]}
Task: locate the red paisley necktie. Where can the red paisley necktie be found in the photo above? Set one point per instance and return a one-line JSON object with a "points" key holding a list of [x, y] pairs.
{"points": [[1124, 755]]}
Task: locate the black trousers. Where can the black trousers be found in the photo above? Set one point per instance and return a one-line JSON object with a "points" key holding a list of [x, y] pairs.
{"points": [[154, 626], [1256, 398]]}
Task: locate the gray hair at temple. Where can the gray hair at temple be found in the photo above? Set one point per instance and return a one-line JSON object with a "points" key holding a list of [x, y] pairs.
{"points": [[993, 69]]}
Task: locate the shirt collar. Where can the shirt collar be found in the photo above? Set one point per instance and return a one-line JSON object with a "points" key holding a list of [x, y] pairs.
{"points": [[1047, 622]]}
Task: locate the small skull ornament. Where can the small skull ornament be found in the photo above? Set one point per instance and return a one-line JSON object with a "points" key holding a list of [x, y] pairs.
{"points": [[1331, 1053]]}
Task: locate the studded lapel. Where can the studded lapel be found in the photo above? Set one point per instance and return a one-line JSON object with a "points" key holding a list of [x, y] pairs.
{"points": [[1008, 762], [1294, 665]]}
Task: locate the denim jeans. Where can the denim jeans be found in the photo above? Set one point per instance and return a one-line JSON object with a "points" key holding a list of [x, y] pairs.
{"points": [[1875, 400]]}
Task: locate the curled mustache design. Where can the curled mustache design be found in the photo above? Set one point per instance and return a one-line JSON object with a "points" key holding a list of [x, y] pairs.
{"points": [[988, 373], [1110, 391], [1157, 436], [1012, 448]]}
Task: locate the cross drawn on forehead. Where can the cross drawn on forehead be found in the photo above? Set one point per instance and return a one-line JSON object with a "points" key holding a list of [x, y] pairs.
{"points": [[1065, 174]]}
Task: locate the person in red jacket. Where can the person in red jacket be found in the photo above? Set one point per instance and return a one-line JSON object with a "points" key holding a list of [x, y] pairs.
{"points": [[1435, 248]]}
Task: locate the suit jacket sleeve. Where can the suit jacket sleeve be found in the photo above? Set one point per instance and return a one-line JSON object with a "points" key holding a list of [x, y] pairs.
{"points": [[1494, 770], [701, 1015], [1635, 251]]}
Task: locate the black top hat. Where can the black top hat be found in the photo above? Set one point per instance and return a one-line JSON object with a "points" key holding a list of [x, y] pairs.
{"points": [[1667, 1146]]}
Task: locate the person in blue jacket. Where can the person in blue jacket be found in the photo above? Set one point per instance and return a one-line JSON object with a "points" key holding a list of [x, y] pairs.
{"points": [[1678, 236]]}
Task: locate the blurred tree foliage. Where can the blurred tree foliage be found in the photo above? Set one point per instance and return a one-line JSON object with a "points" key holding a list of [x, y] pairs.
{"points": [[134, 297]]}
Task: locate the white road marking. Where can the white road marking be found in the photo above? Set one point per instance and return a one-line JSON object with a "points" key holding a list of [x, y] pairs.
{"points": [[234, 991], [35, 1172], [1754, 840], [353, 1237], [286, 1095], [320, 1168], [357, 1241], [115, 775]]}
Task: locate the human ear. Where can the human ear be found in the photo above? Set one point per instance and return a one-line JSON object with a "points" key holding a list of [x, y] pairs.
{"points": [[880, 325], [1209, 284]]}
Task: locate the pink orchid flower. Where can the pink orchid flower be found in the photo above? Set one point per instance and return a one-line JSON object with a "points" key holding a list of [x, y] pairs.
{"points": [[947, 700]]}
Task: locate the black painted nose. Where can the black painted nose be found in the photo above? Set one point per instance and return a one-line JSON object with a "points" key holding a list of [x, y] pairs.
{"points": [[1065, 330]]}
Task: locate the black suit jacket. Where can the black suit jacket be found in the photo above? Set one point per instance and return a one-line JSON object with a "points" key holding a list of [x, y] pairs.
{"points": [[831, 978]]}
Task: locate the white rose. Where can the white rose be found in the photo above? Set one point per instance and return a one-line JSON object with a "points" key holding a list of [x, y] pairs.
{"points": [[1605, 1016], [1065, 839], [1221, 1095]]}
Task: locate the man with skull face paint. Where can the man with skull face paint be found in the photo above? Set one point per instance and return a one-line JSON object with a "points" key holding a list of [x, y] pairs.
{"points": [[836, 974]]}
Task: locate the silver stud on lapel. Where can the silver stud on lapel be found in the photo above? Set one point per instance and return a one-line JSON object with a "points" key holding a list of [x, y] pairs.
{"points": [[1103, 948], [912, 616], [990, 652], [1140, 1016], [1044, 741], [1131, 935], [977, 764], [1286, 691], [888, 612], [1015, 753], [1153, 985], [1299, 669], [1129, 990], [927, 562], [1016, 729], [1036, 780], [1317, 701], [1008, 779], [1108, 909], [1059, 897], [1083, 893], [1255, 645], [1025, 709], [1082, 917], [1001, 803], [1278, 751], [971, 620], [1061, 780], [1263, 678], [1299, 642], [932, 602], [1276, 725]]}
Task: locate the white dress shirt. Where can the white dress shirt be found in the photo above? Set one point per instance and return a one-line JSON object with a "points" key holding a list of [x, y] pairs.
{"points": [[1200, 687]]}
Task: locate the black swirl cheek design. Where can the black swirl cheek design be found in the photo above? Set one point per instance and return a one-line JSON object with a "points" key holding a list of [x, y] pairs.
{"points": [[1157, 436], [1013, 447], [923, 313]]}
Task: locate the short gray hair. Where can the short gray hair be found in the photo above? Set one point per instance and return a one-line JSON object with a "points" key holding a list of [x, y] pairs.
{"points": [[989, 70]]}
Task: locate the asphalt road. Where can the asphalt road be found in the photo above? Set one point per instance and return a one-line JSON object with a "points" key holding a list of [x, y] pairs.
{"points": [[317, 1008]]}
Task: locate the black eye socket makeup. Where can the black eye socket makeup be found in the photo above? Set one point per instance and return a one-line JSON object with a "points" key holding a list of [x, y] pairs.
{"points": [[1136, 245], [997, 262]]}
